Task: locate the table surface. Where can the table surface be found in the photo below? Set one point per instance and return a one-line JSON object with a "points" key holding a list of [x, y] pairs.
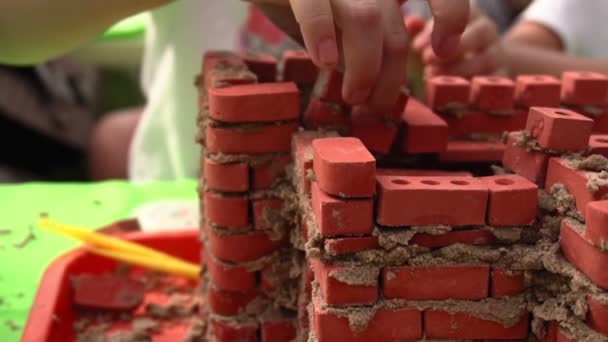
{"points": [[86, 204]]}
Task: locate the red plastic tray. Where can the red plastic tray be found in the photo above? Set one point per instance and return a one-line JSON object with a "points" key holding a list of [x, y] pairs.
{"points": [[52, 315]]}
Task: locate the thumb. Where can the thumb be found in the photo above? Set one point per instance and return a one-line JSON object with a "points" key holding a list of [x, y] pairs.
{"points": [[451, 18]]}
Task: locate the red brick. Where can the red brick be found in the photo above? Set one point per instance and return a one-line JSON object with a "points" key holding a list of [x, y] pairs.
{"points": [[584, 88], [226, 211], [265, 210], [298, 67], [463, 282], [559, 129], [344, 167], [531, 165], [436, 200], [444, 325], [303, 155], [266, 174], [386, 326], [506, 283], [322, 114], [473, 122], [551, 335], [575, 182], [598, 144], [260, 102], [340, 246], [468, 237], [108, 292], [242, 247], [257, 140], [337, 293], [228, 303], [337, 217], [264, 66], [328, 86], [211, 58], [374, 131], [596, 219], [425, 131], [447, 92], [513, 200], [396, 113], [232, 177], [562, 336], [229, 332], [583, 255], [278, 331], [467, 151], [228, 277], [598, 314], [600, 121], [537, 91], [422, 173], [492, 93]]}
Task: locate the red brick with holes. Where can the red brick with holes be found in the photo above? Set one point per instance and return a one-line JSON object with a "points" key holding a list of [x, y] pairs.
{"points": [[575, 182], [430, 201], [337, 293], [531, 165], [348, 245], [376, 132], [559, 129], [232, 177], [513, 200], [461, 282], [506, 283], [339, 217], [583, 255], [255, 140], [467, 237], [537, 91], [387, 325], [461, 325], [598, 144], [492, 93], [478, 122], [344, 167], [242, 247], [425, 131], [584, 88], [447, 93], [226, 211], [469, 151]]}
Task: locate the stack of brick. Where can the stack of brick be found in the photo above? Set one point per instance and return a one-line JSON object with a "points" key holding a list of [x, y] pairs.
{"points": [[404, 254], [477, 112], [251, 273], [551, 152]]}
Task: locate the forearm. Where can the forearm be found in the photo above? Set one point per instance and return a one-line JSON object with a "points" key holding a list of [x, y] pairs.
{"points": [[520, 58], [32, 31]]}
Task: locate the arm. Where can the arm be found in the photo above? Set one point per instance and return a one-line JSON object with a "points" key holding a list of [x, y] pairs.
{"points": [[32, 31]]}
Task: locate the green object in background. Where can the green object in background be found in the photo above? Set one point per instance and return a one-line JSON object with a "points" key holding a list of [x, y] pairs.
{"points": [[87, 204], [129, 28]]}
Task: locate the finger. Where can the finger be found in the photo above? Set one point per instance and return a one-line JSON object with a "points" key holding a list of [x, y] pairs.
{"points": [[362, 33], [483, 63], [479, 35], [423, 39], [451, 18], [414, 25], [394, 59], [316, 21]]}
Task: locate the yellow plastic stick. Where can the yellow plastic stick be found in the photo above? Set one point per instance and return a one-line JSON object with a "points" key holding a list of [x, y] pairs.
{"points": [[190, 271], [111, 246]]}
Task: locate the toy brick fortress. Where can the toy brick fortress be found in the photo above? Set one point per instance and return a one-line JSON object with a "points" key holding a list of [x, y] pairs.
{"points": [[323, 222]]}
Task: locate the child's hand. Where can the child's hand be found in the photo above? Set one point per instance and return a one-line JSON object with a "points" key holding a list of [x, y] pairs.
{"points": [[368, 38], [477, 54]]}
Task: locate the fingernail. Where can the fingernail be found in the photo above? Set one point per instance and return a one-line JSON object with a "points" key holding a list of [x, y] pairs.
{"points": [[450, 44], [328, 52], [358, 96]]}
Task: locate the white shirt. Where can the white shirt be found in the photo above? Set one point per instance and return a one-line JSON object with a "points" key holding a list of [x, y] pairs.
{"points": [[582, 25], [176, 37]]}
